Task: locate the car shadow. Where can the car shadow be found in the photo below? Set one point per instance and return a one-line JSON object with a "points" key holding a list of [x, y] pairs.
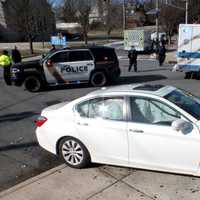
{"points": [[139, 79], [155, 69], [122, 80], [16, 116], [18, 146]]}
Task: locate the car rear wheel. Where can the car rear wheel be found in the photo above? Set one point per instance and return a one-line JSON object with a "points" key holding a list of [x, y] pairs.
{"points": [[74, 153], [98, 79], [33, 84]]}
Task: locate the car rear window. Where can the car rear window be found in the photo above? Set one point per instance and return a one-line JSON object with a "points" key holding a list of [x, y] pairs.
{"points": [[104, 54], [75, 56]]}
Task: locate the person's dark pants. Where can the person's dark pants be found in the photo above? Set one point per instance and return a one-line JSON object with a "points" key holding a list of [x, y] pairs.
{"points": [[161, 59], [6, 74], [132, 63]]}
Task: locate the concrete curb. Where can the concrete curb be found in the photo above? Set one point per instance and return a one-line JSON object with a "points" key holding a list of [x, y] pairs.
{"points": [[32, 180]]}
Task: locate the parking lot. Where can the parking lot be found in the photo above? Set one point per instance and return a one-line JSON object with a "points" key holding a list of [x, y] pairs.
{"points": [[21, 157]]}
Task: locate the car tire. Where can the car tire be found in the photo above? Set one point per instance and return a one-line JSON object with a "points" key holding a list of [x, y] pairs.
{"points": [[74, 153], [98, 79], [33, 83], [188, 75]]}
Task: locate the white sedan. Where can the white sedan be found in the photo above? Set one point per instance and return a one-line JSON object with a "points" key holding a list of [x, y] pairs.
{"points": [[153, 127]]}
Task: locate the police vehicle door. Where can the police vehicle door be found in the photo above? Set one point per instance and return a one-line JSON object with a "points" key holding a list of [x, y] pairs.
{"points": [[53, 67], [79, 66]]}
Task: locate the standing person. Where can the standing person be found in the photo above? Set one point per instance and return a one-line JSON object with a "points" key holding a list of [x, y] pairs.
{"points": [[53, 48], [6, 62], [161, 54], [16, 55], [132, 55]]}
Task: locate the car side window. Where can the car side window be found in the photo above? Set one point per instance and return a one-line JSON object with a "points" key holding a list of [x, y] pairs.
{"points": [[60, 57], [83, 109], [79, 56], [107, 108], [149, 111]]}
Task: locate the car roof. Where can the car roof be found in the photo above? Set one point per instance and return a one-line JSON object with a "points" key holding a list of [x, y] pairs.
{"points": [[92, 47], [152, 89]]}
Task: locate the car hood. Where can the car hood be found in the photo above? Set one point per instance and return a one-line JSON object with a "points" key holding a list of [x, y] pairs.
{"points": [[27, 64]]}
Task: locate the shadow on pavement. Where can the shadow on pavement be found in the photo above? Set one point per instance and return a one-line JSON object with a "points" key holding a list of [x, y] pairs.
{"points": [[122, 80], [18, 146], [140, 79], [16, 116], [155, 69]]}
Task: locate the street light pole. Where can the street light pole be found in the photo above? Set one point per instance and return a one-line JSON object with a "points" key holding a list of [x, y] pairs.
{"points": [[186, 11], [157, 24], [124, 15]]}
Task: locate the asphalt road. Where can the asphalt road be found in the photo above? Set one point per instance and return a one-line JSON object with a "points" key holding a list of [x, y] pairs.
{"points": [[20, 155]]}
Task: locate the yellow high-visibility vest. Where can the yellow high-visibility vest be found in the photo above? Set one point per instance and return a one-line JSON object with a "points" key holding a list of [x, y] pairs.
{"points": [[5, 60]]}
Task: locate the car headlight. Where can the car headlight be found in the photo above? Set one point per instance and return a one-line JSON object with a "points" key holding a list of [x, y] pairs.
{"points": [[15, 70]]}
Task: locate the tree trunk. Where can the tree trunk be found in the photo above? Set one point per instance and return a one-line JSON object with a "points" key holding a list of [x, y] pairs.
{"points": [[85, 37], [31, 45], [108, 20]]}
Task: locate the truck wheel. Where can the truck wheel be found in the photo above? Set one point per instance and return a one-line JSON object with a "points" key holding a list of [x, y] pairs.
{"points": [[32, 83], [98, 79]]}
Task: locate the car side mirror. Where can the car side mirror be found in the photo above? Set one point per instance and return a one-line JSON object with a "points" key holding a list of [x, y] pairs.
{"points": [[182, 125]]}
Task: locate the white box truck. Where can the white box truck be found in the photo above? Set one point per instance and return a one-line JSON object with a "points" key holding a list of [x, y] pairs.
{"points": [[141, 39], [188, 55]]}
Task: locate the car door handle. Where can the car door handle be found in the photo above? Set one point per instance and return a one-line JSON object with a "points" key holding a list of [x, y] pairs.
{"points": [[82, 124], [136, 131]]}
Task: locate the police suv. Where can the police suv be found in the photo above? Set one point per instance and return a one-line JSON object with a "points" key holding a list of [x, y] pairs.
{"points": [[97, 65]]}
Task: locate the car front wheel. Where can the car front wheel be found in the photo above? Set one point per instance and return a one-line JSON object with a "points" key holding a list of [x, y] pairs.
{"points": [[74, 153], [98, 79]]}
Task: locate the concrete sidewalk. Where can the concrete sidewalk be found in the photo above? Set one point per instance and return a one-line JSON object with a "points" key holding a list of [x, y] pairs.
{"points": [[105, 182]]}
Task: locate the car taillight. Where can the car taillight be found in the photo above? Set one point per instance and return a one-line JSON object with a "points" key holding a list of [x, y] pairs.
{"points": [[105, 58], [40, 121]]}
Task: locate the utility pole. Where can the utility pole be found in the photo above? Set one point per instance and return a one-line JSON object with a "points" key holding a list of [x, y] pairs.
{"points": [[186, 11], [157, 24], [124, 15]]}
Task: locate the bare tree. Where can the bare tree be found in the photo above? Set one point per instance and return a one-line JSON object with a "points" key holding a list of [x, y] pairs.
{"points": [[29, 18], [115, 17], [83, 11], [79, 11], [69, 11], [169, 19]]}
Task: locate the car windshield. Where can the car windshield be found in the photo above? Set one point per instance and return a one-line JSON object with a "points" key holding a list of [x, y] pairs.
{"points": [[45, 56], [186, 101]]}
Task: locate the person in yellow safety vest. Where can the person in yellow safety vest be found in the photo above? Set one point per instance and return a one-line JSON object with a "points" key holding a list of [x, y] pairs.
{"points": [[6, 62]]}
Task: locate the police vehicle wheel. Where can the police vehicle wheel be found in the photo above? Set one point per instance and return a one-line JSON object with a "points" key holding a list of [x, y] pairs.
{"points": [[32, 84], [98, 79]]}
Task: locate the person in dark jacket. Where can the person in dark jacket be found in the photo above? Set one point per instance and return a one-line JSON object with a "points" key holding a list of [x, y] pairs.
{"points": [[132, 55], [161, 54], [53, 48], [16, 55]]}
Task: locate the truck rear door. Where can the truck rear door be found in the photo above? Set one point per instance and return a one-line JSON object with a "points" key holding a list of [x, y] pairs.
{"points": [[185, 47]]}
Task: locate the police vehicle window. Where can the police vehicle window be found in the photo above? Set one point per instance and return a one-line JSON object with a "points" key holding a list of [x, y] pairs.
{"points": [[104, 55], [60, 57], [79, 56], [83, 109]]}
